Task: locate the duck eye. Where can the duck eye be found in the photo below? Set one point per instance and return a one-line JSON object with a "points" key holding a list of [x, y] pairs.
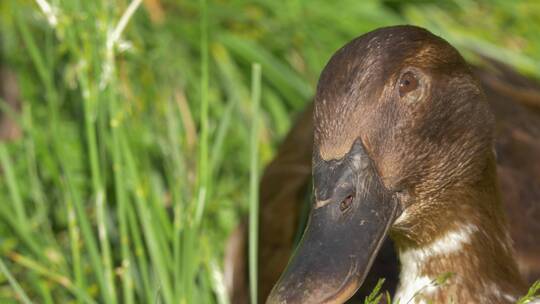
{"points": [[346, 203], [407, 83]]}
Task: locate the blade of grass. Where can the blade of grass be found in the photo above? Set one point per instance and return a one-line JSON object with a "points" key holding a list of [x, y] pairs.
{"points": [[121, 193], [99, 197], [235, 92], [140, 254], [214, 273], [14, 284], [75, 243], [532, 295], [22, 232], [37, 192], [254, 182], [121, 198], [160, 207], [16, 199], [33, 50], [84, 225], [294, 89], [45, 292], [149, 227], [376, 295], [176, 178], [51, 95], [218, 282], [203, 138], [190, 262], [64, 281]]}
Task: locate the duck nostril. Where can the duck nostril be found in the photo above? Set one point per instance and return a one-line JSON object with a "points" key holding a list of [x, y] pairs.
{"points": [[346, 203]]}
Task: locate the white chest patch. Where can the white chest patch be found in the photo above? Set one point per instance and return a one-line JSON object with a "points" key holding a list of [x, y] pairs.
{"points": [[496, 290], [411, 283]]}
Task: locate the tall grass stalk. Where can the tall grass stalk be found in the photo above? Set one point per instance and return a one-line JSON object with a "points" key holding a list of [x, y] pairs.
{"points": [[254, 180], [203, 168]]}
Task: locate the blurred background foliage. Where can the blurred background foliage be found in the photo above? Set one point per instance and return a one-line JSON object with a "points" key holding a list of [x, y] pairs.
{"points": [[131, 168]]}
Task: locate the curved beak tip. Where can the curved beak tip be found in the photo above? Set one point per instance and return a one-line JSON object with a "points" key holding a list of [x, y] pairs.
{"points": [[317, 293]]}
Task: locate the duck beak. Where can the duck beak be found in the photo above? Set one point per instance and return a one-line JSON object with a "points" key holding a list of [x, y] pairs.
{"points": [[348, 223]]}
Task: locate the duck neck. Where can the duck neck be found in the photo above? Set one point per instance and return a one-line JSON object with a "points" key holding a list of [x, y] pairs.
{"points": [[460, 250]]}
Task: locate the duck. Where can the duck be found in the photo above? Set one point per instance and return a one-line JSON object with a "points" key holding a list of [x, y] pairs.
{"points": [[420, 165]]}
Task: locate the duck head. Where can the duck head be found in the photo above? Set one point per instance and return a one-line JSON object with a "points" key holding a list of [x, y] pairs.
{"points": [[399, 120]]}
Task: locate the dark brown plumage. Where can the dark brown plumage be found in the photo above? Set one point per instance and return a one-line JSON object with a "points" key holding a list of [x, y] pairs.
{"points": [[513, 99]]}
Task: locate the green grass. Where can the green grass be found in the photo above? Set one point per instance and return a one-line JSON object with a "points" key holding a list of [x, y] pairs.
{"points": [[144, 123], [532, 294], [254, 181]]}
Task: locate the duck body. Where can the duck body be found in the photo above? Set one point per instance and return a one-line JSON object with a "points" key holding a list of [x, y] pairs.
{"points": [[426, 153]]}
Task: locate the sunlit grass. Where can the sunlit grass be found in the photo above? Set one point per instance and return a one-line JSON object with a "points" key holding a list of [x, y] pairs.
{"points": [[532, 294], [254, 181]]}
